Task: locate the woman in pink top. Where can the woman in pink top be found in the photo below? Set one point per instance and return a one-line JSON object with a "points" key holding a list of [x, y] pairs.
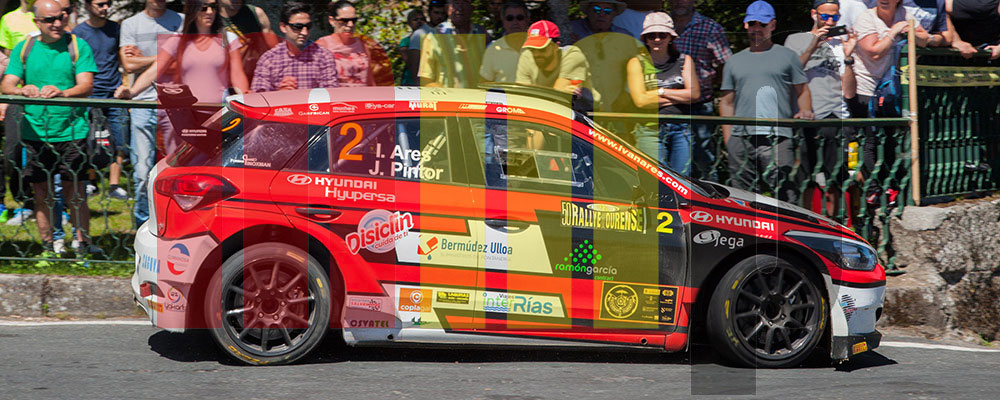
{"points": [[202, 57], [359, 61]]}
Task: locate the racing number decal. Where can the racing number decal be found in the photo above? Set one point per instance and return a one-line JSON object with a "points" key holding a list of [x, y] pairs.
{"points": [[345, 152], [665, 219], [232, 124]]}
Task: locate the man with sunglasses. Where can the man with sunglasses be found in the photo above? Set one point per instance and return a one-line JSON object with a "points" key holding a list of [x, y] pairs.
{"points": [[598, 17], [54, 136], [500, 60], [139, 44], [765, 80], [828, 61], [296, 62]]}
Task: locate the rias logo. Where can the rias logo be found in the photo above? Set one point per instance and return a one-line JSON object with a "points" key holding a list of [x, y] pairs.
{"points": [[379, 230], [621, 301]]}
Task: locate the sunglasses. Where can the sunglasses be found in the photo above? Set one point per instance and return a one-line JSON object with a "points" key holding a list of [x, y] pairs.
{"points": [[519, 17], [346, 20], [826, 17], [298, 27], [601, 10], [208, 6], [101, 5], [756, 24], [51, 20], [656, 35]]}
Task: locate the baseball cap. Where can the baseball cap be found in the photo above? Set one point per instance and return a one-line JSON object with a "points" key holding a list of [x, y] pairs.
{"points": [[817, 3], [540, 34], [658, 22], [760, 11]]}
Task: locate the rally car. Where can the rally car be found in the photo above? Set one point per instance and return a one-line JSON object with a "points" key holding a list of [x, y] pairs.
{"points": [[482, 217]]}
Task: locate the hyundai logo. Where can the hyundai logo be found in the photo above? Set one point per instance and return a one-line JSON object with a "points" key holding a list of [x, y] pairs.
{"points": [[299, 179], [701, 216]]}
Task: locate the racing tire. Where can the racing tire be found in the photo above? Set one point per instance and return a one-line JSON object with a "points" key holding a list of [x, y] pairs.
{"points": [[767, 313], [269, 304]]}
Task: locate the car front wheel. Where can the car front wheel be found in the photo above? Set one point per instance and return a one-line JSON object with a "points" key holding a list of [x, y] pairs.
{"points": [[767, 313], [269, 304]]}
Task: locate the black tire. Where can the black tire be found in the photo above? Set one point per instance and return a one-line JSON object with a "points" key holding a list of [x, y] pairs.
{"points": [[767, 313], [287, 294]]}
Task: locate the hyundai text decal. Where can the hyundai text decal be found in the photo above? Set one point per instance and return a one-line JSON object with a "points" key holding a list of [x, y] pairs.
{"points": [[379, 230], [738, 222]]}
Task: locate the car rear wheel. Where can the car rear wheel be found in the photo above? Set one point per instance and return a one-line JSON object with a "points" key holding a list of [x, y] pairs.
{"points": [[269, 304], [767, 313]]}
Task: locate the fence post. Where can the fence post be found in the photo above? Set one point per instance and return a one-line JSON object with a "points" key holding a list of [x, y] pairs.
{"points": [[911, 61]]}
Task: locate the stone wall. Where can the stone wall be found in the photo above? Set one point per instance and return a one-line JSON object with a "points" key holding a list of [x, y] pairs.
{"points": [[951, 256]]}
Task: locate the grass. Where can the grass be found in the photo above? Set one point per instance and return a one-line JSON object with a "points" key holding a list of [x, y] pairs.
{"points": [[110, 229]]}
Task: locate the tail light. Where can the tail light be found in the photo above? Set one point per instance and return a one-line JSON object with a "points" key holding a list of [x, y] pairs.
{"points": [[195, 191]]}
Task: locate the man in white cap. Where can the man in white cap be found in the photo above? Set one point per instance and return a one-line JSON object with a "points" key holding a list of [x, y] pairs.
{"points": [[765, 80], [598, 17], [546, 64]]}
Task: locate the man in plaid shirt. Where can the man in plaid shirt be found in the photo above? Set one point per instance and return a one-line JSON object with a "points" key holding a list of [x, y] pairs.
{"points": [[296, 63], [705, 41]]}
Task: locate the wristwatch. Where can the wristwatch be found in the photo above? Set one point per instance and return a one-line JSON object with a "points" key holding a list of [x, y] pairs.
{"points": [[659, 92], [848, 60]]}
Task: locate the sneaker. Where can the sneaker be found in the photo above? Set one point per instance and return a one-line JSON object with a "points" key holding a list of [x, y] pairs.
{"points": [[75, 245], [118, 193], [87, 249], [59, 246], [891, 195], [20, 216], [92, 190]]}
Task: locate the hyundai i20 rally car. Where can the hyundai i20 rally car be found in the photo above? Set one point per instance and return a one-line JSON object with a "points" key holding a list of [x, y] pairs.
{"points": [[483, 217]]}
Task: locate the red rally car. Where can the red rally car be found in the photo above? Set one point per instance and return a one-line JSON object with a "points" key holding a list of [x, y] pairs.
{"points": [[484, 217]]}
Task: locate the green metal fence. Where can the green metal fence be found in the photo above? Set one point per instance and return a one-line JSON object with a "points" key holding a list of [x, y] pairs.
{"points": [[958, 107]]}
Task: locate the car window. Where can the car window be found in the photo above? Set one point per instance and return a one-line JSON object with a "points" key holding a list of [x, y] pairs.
{"points": [[404, 148], [526, 155]]}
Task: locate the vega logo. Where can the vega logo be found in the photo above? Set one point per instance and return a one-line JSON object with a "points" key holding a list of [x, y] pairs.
{"points": [[379, 230], [701, 216], [716, 239], [584, 259], [178, 258]]}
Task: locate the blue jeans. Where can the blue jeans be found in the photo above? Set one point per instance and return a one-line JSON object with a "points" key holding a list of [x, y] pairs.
{"points": [[143, 157], [116, 120], [703, 145], [58, 207], [671, 144]]}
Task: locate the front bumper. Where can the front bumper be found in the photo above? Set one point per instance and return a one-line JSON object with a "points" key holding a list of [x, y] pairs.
{"points": [[844, 347], [168, 268], [853, 314]]}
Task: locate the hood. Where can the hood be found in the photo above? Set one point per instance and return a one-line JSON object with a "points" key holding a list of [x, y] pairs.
{"points": [[763, 203]]}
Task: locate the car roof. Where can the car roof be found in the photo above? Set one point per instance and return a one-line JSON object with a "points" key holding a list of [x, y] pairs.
{"points": [[378, 98]]}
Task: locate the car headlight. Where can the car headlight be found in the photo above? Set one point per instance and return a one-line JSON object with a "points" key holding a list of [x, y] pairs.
{"points": [[846, 253]]}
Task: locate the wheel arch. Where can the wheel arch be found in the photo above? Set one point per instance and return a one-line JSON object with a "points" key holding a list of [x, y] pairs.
{"points": [[706, 286], [264, 234]]}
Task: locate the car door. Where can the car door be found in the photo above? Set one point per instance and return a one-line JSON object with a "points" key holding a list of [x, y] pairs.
{"points": [[383, 186], [584, 252]]}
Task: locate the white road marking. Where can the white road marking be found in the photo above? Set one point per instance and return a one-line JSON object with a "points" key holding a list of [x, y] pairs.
{"points": [[88, 322], [936, 347]]}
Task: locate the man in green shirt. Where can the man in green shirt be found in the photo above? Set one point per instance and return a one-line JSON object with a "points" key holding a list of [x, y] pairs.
{"points": [[54, 136]]}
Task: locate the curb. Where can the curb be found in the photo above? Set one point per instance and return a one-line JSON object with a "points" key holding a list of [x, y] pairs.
{"points": [[65, 296]]}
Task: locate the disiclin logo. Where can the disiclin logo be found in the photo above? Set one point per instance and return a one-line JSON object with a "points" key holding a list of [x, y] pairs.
{"points": [[178, 258], [379, 230], [299, 179], [701, 216]]}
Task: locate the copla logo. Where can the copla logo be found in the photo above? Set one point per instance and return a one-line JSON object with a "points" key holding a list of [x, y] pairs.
{"points": [[584, 259]]}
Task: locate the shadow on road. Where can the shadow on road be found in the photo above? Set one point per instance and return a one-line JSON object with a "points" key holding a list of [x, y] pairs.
{"points": [[866, 360]]}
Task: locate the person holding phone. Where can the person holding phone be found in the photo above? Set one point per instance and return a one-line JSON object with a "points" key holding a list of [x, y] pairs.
{"points": [[827, 55]]}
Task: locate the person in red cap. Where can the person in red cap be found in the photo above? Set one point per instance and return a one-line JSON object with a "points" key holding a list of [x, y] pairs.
{"points": [[543, 63]]}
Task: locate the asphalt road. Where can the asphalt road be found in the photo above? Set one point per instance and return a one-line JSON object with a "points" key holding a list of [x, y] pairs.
{"points": [[139, 362]]}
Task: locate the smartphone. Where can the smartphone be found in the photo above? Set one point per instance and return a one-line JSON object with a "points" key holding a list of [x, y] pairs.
{"points": [[837, 31]]}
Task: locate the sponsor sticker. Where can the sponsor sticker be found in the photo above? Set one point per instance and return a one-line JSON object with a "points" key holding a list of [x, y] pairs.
{"points": [[154, 305], [299, 179], [148, 263], [175, 300], [178, 258], [859, 348], [604, 217], [701, 216], [738, 222], [583, 258], [716, 239], [362, 303], [452, 297], [521, 304], [641, 303], [472, 107], [379, 106], [250, 162], [282, 111], [338, 108], [368, 323], [353, 189], [415, 300], [378, 231], [449, 249], [423, 105]]}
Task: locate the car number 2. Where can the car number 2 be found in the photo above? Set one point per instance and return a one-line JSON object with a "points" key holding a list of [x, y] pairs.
{"points": [[345, 152], [665, 219]]}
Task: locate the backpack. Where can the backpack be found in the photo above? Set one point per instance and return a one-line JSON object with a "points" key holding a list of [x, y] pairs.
{"points": [[74, 50], [886, 101]]}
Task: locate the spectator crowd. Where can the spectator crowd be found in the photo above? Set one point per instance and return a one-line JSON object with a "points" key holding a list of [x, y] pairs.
{"points": [[620, 57]]}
